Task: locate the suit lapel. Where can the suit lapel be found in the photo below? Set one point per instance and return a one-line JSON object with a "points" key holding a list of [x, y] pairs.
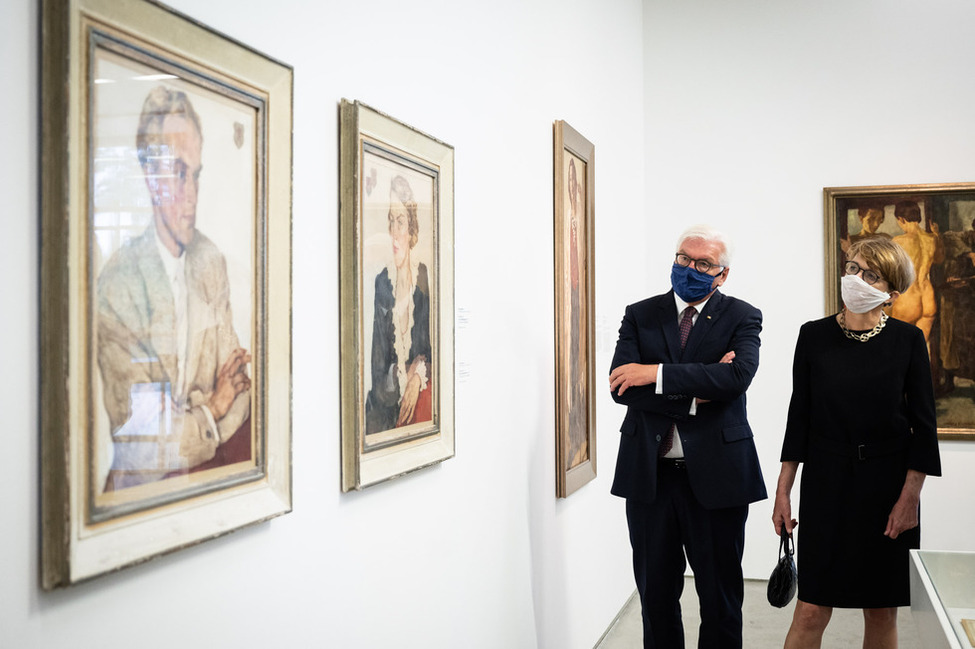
{"points": [[667, 320], [159, 295], [707, 319]]}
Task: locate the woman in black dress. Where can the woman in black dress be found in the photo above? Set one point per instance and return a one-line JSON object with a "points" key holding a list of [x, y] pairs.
{"points": [[862, 421]]}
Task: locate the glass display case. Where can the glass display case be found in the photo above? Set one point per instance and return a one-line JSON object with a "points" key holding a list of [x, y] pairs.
{"points": [[943, 598]]}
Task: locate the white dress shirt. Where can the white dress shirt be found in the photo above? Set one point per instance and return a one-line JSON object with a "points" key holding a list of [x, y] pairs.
{"points": [[677, 450]]}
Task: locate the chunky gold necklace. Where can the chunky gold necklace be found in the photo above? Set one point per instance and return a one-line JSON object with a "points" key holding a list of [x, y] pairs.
{"points": [[865, 336]]}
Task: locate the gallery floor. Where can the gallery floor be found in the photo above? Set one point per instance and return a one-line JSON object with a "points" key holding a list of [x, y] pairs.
{"points": [[764, 627]]}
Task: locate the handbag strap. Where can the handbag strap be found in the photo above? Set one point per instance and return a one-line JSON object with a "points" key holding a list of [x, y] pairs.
{"points": [[786, 544]]}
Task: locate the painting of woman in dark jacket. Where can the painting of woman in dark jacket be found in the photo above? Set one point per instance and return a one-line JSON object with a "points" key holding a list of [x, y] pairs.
{"points": [[401, 389]]}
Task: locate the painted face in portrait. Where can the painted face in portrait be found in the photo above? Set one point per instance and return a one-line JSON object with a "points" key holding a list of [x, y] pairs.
{"points": [[872, 219], [174, 182], [399, 230]]}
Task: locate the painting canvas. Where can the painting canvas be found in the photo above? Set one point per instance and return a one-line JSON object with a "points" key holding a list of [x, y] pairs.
{"points": [[173, 251], [397, 297], [398, 216], [574, 283], [166, 283], [934, 225]]}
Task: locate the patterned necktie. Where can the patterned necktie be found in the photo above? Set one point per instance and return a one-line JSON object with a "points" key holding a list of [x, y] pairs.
{"points": [[686, 322], [685, 325]]}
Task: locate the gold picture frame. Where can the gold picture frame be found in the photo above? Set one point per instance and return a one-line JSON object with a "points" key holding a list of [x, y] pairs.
{"points": [[934, 223], [165, 285], [575, 356], [396, 240]]}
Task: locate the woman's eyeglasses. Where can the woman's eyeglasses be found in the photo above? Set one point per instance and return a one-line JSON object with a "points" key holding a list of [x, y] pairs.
{"points": [[869, 276]]}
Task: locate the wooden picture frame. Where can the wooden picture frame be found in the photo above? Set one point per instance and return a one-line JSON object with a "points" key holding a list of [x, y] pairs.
{"points": [[165, 285], [397, 297], [575, 355], [934, 223]]}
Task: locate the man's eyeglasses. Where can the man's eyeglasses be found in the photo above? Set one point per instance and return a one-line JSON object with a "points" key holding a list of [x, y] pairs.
{"points": [[702, 265], [869, 276]]}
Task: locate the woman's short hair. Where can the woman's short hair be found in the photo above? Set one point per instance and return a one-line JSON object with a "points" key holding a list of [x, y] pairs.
{"points": [[709, 234], [400, 188], [888, 259]]}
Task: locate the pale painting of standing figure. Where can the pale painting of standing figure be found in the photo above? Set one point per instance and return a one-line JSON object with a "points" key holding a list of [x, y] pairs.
{"points": [[174, 374], [918, 304], [401, 392], [578, 450]]}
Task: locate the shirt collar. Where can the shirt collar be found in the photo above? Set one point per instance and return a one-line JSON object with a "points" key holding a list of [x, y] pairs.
{"points": [[681, 304], [172, 265]]}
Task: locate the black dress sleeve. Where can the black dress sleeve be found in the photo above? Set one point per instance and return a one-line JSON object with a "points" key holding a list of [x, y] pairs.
{"points": [[923, 454], [796, 439]]}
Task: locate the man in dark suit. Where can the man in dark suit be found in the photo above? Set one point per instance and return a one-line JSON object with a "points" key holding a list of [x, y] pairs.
{"points": [[687, 463]]}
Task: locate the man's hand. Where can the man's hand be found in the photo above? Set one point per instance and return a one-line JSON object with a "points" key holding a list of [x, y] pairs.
{"points": [[632, 374], [232, 379], [727, 358]]}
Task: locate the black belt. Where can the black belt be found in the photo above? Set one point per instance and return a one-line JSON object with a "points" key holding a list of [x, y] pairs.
{"points": [[860, 451], [672, 462]]}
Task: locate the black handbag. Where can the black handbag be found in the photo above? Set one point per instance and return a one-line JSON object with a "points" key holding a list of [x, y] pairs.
{"points": [[784, 579]]}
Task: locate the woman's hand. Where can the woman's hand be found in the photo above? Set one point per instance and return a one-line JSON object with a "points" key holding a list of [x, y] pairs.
{"points": [[904, 515], [782, 509], [782, 514], [411, 392]]}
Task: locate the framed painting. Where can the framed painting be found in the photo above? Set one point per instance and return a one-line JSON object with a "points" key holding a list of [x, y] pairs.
{"points": [[933, 223], [165, 283], [575, 357], [396, 240]]}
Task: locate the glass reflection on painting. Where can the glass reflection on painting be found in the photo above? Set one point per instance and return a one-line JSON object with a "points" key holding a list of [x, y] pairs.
{"points": [[172, 264]]}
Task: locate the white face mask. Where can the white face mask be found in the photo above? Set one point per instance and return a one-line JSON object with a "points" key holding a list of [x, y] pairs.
{"points": [[860, 297]]}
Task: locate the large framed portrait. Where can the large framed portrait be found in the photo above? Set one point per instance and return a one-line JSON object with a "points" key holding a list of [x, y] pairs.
{"points": [[934, 225], [165, 282], [397, 297], [575, 355]]}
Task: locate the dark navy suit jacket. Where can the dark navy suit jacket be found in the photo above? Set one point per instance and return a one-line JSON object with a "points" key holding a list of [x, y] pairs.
{"points": [[719, 450]]}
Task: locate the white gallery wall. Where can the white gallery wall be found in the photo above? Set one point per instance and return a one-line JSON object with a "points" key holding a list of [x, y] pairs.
{"points": [[752, 108], [733, 113], [476, 552]]}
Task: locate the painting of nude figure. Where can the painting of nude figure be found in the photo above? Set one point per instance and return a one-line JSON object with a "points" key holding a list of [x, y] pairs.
{"points": [[934, 225]]}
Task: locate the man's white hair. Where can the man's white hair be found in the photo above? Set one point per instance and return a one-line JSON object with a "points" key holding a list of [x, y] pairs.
{"points": [[708, 233]]}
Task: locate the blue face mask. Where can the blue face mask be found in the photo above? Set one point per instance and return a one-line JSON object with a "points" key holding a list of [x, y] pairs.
{"points": [[691, 285]]}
